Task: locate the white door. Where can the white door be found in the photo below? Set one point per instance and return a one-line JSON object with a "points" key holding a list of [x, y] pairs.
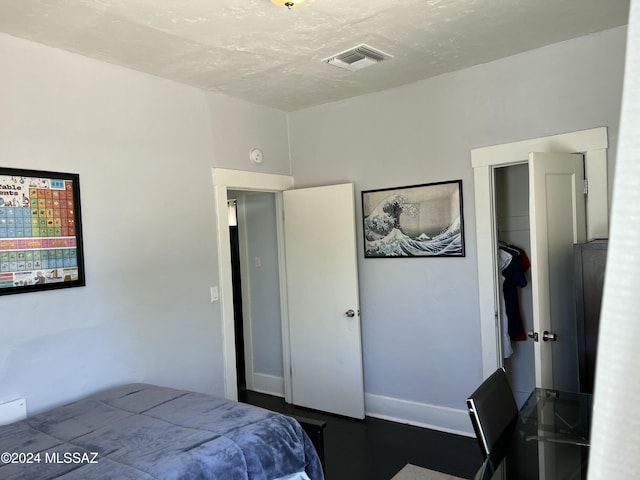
{"points": [[557, 215], [323, 300]]}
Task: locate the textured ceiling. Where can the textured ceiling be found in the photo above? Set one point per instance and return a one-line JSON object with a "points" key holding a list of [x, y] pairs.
{"points": [[265, 54]]}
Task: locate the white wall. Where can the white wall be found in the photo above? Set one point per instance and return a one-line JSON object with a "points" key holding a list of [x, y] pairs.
{"points": [[150, 249], [144, 149], [238, 126], [420, 320]]}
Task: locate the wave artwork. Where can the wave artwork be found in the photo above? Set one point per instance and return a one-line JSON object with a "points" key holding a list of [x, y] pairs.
{"points": [[415, 222]]}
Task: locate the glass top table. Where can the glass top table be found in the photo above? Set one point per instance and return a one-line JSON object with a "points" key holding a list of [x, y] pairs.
{"points": [[548, 441]]}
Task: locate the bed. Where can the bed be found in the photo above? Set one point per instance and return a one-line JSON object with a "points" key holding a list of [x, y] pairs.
{"points": [[146, 432]]}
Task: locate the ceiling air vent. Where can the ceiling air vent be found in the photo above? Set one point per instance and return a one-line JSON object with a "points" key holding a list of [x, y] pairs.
{"points": [[357, 58]]}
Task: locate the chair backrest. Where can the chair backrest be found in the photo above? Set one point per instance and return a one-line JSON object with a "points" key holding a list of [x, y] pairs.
{"points": [[492, 409]]}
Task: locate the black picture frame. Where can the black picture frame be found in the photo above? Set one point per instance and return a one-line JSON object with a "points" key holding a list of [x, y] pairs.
{"points": [[40, 231], [414, 221]]}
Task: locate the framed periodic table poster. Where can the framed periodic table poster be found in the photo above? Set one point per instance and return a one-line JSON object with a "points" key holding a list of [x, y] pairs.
{"points": [[40, 231]]}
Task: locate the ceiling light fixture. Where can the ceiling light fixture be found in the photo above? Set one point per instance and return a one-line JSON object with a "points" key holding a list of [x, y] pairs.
{"points": [[287, 3]]}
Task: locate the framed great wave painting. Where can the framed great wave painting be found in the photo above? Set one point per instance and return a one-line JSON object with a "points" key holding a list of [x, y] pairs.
{"points": [[415, 221]]}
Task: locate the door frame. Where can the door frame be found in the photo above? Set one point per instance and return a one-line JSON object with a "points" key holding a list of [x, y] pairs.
{"points": [[223, 180], [593, 144]]}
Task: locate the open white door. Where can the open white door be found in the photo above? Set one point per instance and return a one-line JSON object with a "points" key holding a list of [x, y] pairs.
{"points": [[323, 299], [557, 215]]}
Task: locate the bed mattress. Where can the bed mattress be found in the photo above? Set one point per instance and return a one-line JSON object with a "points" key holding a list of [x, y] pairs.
{"points": [[146, 432]]}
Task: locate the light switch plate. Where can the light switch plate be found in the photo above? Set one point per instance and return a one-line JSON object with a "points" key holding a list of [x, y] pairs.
{"points": [[215, 296]]}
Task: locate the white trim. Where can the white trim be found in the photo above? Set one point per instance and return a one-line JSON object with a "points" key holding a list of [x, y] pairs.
{"points": [[488, 295], [434, 417], [593, 144], [224, 179], [13, 411], [595, 170], [251, 181], [574, 142], [284, 311], [269, 384]]}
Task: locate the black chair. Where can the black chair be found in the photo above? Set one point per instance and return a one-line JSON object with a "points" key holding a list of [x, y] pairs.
{"points": [[492, 409]]}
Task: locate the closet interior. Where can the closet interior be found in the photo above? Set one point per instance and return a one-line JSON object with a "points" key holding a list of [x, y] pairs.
{"points": [[513, 232]]}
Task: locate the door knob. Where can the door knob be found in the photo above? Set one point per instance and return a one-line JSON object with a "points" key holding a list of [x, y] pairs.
{"points": [[533, 335], [549, 337], [350, 313]]}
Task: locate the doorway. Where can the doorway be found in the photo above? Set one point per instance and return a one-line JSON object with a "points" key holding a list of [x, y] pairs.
{"points": [[225, 180], [256, 293], [513, 232], [238, 315], [593, 144], [339, 259], [541, 207]]}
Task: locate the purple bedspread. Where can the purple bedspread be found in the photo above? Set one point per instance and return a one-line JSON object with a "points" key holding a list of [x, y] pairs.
{"points": [[146, 432]]}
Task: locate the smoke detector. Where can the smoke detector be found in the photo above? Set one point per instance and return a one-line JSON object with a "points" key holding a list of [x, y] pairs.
{"points": [[357, 58]]}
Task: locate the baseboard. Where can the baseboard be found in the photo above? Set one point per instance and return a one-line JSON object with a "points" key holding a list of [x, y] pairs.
{"points": [[13, 411], [445, 419], [269, 384]]}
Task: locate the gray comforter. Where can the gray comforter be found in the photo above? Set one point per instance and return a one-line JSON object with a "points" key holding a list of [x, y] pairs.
{"points": [[147, 432]]}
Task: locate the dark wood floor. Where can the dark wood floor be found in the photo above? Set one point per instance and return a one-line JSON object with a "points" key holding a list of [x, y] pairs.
{"points": [[374, 449]]}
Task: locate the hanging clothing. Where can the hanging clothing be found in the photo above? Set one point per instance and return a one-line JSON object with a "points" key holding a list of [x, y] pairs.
{"points": [[514, 278], [504, 258]]}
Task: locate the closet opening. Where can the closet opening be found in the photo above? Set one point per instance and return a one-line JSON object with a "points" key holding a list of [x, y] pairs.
{"points": [[557, 166], [514, 248]]}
